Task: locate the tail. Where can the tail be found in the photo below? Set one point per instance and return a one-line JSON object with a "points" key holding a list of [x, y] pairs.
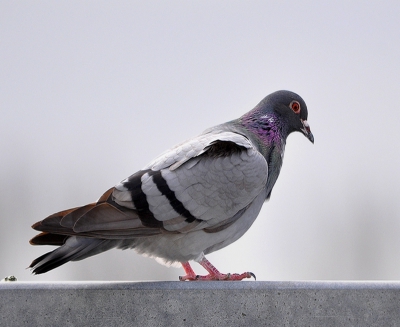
{"points": [[85, 231], [75, 248]]}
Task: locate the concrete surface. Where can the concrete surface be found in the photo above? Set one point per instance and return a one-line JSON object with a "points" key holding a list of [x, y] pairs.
{"points": [[200, 304]]}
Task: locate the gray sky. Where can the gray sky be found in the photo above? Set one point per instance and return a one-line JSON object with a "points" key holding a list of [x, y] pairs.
{"points": [[90, 91]]}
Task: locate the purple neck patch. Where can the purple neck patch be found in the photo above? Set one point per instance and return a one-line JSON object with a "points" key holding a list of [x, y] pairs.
{"points": [[268, 127]]}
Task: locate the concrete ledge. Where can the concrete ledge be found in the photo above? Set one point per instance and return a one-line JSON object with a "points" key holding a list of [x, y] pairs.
{"points": [[200, 304]]}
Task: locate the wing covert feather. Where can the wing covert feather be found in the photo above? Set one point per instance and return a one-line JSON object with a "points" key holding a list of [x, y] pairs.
{"points": [[200, 183]]}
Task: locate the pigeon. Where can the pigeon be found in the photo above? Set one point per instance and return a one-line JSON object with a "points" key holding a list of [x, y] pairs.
{"points": [[194, 199]]}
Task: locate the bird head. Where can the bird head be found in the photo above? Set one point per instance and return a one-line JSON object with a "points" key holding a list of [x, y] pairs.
{"points": [[291, 109]]}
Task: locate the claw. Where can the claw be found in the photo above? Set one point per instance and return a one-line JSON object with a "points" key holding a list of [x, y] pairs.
{"points": [[252, 275], [189, 278]]}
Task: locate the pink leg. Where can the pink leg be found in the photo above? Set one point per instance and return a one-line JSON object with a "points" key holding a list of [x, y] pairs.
{"points": [[213, 273], [190, 274]]}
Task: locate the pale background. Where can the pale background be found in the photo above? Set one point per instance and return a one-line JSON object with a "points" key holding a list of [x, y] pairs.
{"points": [[90, 91]]}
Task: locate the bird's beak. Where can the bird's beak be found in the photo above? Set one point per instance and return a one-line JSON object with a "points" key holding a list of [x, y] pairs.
{"points": [[306, 131]]}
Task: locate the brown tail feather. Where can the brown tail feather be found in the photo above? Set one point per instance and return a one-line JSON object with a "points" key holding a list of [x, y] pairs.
{"points": [[54, 215], [48, 239], [106, 196], [104, 219], [69, 220], [107, 217]]}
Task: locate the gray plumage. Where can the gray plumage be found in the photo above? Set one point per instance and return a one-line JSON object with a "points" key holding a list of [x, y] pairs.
{"points": [[195, 198]]}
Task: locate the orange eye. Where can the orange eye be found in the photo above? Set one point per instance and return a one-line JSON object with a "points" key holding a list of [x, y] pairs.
{"points": [[295, 106]]}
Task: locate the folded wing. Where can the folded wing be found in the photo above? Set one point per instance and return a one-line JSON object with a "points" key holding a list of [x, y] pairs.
{"points": [[203, 183]]}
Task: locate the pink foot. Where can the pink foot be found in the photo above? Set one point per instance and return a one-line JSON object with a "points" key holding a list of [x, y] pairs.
{"points": [[214, 274], [190, 274]]}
